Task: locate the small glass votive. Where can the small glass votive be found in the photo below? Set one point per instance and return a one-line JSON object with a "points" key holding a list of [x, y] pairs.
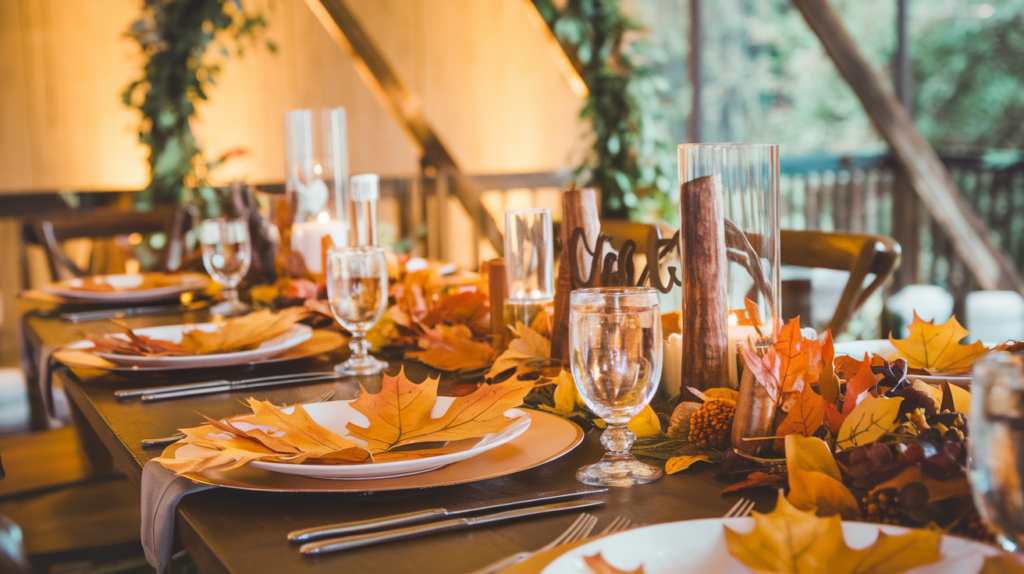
{"points": [[365, 194], [529, 252]]}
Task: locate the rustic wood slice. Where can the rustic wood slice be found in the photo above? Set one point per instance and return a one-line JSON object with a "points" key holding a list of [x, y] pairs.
{"points": [[702, 248]]}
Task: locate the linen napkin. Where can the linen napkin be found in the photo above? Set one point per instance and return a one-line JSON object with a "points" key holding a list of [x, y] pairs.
{"points": [[161, 492], [37, 364]]}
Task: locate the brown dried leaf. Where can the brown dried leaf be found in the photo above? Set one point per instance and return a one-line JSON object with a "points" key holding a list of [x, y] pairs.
{"points": [[243, 333]]}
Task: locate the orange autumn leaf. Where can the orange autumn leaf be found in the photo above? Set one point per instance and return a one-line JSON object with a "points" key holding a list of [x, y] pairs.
{"points": [[937, 348], [596, 564], [453, 350], [828, 381], [268, 434], [400, 413], [798, 357], [860, 385], [804, 418], [749, 316]]}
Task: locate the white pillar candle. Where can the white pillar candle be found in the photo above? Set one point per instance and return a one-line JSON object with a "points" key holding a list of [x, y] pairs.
{"points": [[307, 236], [738, 337], [672, 367]]}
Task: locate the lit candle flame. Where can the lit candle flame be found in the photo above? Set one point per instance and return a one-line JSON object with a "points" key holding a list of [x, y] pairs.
{"points": [[323, 217]]}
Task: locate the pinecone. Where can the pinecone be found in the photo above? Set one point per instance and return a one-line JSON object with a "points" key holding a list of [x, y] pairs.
{"points": [[711, 425], [883, 507]]}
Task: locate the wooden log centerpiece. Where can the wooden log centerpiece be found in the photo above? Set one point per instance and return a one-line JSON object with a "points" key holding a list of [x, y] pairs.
{"points": [[579, 210], [705, 284]]}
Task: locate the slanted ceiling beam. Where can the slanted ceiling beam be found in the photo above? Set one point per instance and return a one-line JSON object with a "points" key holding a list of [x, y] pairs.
{"points": [[925, 172], [403, 106]]}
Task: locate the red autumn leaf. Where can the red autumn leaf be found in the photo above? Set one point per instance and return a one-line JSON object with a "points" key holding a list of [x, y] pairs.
{"points": [[755, 479], [596, 564], [858, 387]]}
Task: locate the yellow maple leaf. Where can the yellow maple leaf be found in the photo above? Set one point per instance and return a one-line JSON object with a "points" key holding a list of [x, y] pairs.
{"points": [[678, 463], [869, 420], [788, 540], [645, 423], [243, 333], [937, 348], [400, 413], [814, 480]]}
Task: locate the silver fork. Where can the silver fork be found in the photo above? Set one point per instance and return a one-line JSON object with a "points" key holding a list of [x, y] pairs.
{"points": [[741, 509], [619, 524], [577, 531], [155, 442]]}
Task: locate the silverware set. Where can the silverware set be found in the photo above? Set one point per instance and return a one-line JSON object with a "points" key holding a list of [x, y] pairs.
{"points": [[152, 394], [100, 314]]}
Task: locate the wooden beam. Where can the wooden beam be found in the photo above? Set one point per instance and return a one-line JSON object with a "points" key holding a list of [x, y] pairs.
{"points": [[569, 72], [926, 174], [403, 106]]}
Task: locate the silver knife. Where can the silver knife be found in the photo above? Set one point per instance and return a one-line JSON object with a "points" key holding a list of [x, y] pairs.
{"points": [[359, 540], [317, 532], [276, 379], [131, 312], [234, 386]]}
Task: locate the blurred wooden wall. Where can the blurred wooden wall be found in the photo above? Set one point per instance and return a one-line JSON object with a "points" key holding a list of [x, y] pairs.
{"points": [[485, 78]]}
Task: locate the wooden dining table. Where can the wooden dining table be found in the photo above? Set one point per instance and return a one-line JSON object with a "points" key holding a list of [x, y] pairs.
{"points": [[238, 531]]}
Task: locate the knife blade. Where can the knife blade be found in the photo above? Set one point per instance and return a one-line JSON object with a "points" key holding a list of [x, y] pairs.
{"points": [[359, 540], [236, 386], [81, 316], [128, 393], [317, 532]]}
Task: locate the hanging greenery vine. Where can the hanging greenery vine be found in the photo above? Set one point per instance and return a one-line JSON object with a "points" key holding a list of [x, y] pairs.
{"points": [[629, 160], [174, 35]]}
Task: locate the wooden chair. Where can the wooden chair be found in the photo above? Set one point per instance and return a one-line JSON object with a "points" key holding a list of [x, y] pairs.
{"points": [[50, 233], [858, 253]]}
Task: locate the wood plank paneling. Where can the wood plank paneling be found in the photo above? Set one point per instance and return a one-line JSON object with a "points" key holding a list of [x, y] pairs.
{"points": [[486, 80]]}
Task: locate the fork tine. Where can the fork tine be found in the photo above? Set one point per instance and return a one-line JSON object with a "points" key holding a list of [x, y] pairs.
{"points": [[735, 507], [613, 526], [580, 520], [585, 530], [746, 511]]}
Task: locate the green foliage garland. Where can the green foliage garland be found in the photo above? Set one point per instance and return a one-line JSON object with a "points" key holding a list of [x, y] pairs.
{"points": [[629, 162], [174, 35]]}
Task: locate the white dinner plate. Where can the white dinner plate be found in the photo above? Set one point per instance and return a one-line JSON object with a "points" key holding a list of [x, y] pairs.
{"points": [[335, 415], [296, 335], [699, 546], [125, 288]]}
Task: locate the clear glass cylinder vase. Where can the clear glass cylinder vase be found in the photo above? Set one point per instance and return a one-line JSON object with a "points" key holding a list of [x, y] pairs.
{"points": [[748, 178]]}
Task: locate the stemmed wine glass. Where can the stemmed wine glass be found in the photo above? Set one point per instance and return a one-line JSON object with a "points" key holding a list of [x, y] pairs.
{"points": [[615, 352], [996, 446], [357, 285], [227, 253]]}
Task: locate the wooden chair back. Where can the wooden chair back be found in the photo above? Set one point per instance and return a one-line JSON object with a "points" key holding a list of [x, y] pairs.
{"points": [[858, 253], [50, 233]]}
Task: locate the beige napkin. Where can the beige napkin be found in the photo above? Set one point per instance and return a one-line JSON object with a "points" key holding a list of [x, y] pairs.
{"points": [[161, 492], [37, 364]]}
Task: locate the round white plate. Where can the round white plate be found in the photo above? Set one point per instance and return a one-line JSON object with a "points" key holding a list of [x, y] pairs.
{"points": [[699, 546], [335, 415], [296, 335], [125, 289]]}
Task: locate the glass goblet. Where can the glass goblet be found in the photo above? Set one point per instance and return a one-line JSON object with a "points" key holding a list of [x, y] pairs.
{"points": [[615, 351], [357, 286], [996, 446], [227, 253]]}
